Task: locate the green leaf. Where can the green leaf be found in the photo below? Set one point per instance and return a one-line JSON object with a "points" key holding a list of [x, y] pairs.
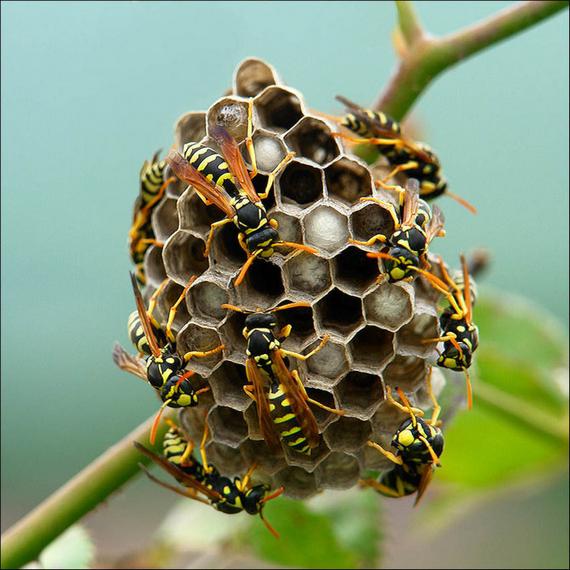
{"points": [[307, 539], [73, 549]]}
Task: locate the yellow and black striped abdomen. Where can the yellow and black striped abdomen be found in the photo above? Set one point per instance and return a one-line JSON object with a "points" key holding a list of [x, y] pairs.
{"points": [[363, 127], [286, 421], [136, 334], [152, 178], [173, 447], [212, 165]]}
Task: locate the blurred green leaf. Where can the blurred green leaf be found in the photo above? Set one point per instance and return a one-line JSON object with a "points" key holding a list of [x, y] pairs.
{"points": [[518, 424], [355, 516], [307, 539], [73, 549]]}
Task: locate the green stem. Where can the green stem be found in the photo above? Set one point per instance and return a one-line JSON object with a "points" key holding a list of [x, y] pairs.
{"points": [[429, 56], [553, 427], [23, 542], [408, 22]]}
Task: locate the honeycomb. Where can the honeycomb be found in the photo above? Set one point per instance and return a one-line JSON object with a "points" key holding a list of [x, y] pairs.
{"points": [[375, 329]]}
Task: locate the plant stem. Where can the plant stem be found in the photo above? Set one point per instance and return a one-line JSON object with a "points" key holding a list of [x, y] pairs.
{"points": [[23, 542], [427, 57]]}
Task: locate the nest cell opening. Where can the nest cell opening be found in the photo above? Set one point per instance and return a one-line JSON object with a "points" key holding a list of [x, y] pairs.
{"points": [[390, 305], [353, 270], [339, 471], [263, 280], [348, 434], [257, 452], [206, 299], [371, 220], [184, 256], [308, 274], [226, 250], [231, 114], [300, 184], [339, 312], [323, 397], [154, 265], [193, 337], [227, 383], [195, 215], [330, 361], [410, 336], [301, 321], [191, 127], [165, 219], [252, 77], [406, 372], [348, 181], [289, 227], [360, 393], [278, 109], [372, 347], [227, 425], [312, 139]]}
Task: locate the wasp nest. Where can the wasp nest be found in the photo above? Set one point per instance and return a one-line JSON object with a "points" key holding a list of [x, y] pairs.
{"points": [[375, 330]]}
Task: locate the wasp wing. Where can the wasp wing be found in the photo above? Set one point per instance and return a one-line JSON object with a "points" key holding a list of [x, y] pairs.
{"points": [[143, 316], [424, 482], [297, 400], [129, 363], [185, 171], [411, 202], [266, 425], [436, 224], [232, 154], [184, 478]]}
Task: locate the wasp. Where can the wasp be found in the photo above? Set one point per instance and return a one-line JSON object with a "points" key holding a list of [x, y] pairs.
{"points": [[203, 482], [141, 234], [164, 368], [226, 182], [406, 249], [415, 159], [284, 413], [419, 446], [460, 336]]}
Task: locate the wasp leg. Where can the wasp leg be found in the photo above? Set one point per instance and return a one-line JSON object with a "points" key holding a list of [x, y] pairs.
{"points": [[203, 353], [400, 168], [377, 486], [436, 407], [248, 389], [298, 356], [275, 172], [205, 465], [387, 206], [284, 332], [206, 201], [188, 493], [172, 313], [295, 375], [152, 301], [213, 228], [150, 241], [371, 241], [249, 139], [247, 477], [445, 338], [387, 454], [372, 140], [406, 409]]}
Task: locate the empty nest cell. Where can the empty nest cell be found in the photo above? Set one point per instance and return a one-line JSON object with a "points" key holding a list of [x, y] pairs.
{"points": [[348, 180], [278, 108], [347, 434], [191, 127], [165, 219], [227, 426], [372, 348], [353, 270], [407, 372], [183, 256], [360, 393], [227, 383], [311, 138], [339, 312], [300, 184], [206, 298], [338, 471], [252, 76]]}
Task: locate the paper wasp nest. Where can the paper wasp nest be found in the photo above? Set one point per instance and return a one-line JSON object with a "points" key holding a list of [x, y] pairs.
{"points": [[375, 330]]}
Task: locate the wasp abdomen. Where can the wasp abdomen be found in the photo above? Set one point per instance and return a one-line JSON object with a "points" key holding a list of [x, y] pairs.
{"points": [[212, 165]]}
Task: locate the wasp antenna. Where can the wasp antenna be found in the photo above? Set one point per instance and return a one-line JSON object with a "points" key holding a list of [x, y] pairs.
{"points": [[291, 306], [156, 421], [268, 526], [233, 308]]}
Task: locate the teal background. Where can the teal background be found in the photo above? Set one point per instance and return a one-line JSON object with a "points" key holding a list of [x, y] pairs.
{"points": [[89, 90]]}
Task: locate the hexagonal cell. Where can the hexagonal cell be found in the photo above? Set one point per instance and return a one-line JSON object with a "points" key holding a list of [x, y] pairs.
{"points": [[226, 252], [406, 372], [195, 215], [196, 337], [373, 459], [372, 348], [190, 127], [326, 229], [206, 299], [183, 256], [269, 150], [289, 226], [278, 108], [193, 420], [300, 184], [353, 270], [230, 113], [252, 76], [311, 138], [387, 420], [410, 336], [263, 284], [166, 299], [339, 471], [347, 180], [297, 482], [437, 383], [390, 305], [339, 312], [165, 219], [227, 383], [360, 394], [307, 275], [154, 266], [301, 321], [323, 417], [227, 459], [369, 220], [257, 452], [231, 332], [227, 426], [347, 434], [330, 361]]}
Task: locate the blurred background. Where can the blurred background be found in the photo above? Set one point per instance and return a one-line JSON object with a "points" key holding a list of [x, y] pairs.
{"points": [[89, 90]]}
